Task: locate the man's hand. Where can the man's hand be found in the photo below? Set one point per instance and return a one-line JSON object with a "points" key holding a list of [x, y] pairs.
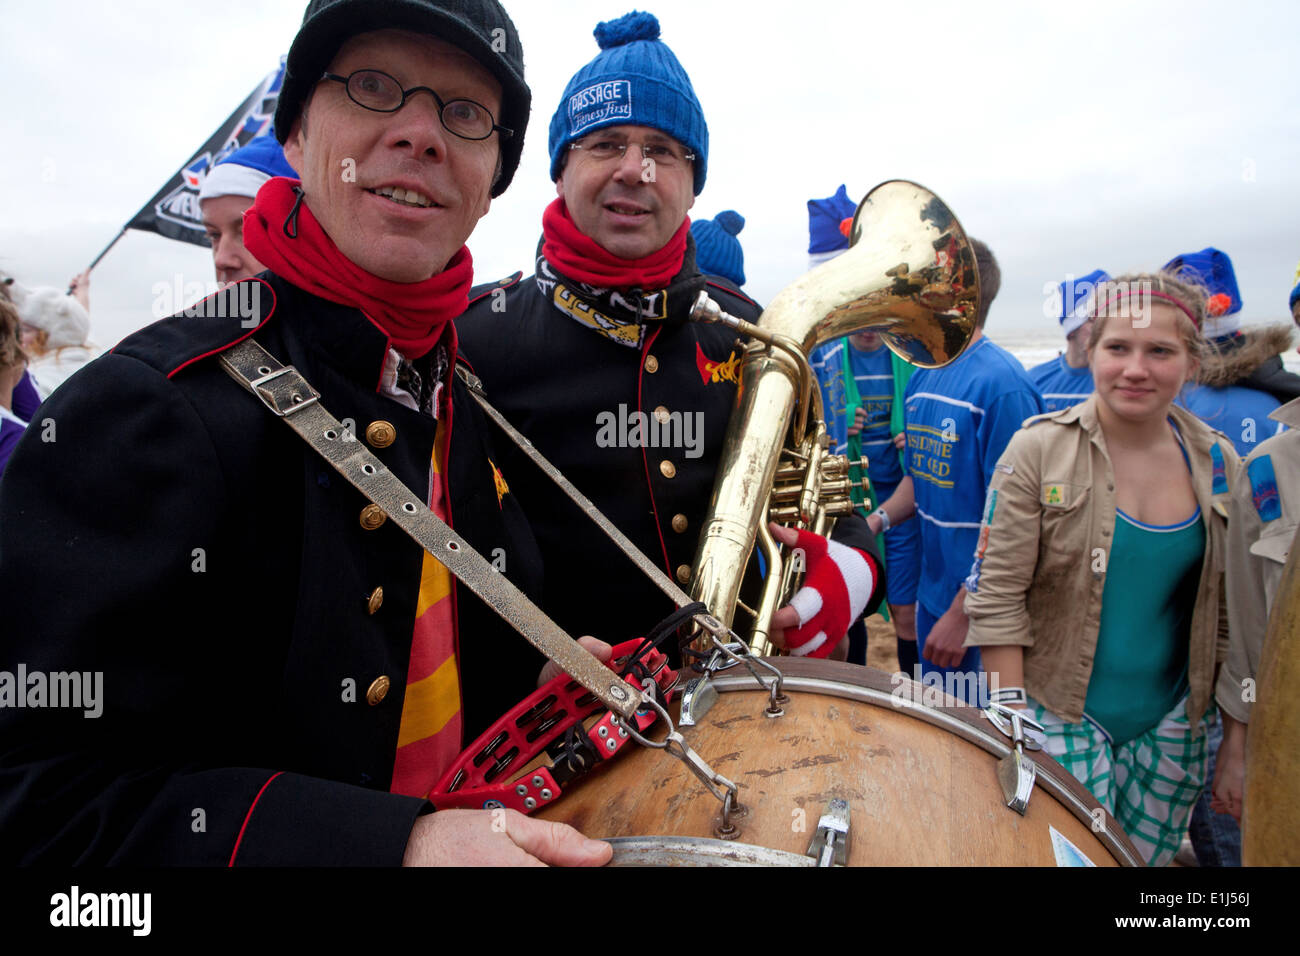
{"points": [[599, 648], [837, 587], [900, 440], [1229, 788], [943, 644], [499, 838], [79, 289], [859, 419]]}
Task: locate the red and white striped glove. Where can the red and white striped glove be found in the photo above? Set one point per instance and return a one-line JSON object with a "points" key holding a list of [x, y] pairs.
{"points": [[838, 582]]}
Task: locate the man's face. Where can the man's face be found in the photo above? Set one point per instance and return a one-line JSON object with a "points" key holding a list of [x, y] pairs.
{"points": [[629, 206], [865, 341], [346, 153], [223, 221], [1079, 337]]}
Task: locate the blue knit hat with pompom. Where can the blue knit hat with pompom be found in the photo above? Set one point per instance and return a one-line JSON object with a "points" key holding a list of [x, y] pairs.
{"points": [[717, 250], [635, 80]]}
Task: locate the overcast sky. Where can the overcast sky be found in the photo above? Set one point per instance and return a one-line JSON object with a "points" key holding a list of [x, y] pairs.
{"points": [[1069, 137]]}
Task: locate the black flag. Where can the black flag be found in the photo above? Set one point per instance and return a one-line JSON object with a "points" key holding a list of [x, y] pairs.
{"points": [[174, 211]]}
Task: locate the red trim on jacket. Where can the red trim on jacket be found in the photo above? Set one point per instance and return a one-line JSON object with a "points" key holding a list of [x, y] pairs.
{"points": [[266, 318], [239, 839]]}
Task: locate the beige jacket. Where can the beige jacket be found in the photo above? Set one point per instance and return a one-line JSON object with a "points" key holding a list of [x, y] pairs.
{"points": [[1040, 566], [1257, 553]]}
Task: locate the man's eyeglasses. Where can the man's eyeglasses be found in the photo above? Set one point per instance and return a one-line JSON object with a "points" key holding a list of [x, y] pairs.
{"points": [[378, 91], [603, 149]]}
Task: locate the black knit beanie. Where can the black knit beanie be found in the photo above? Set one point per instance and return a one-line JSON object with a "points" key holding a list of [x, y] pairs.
{"points": [[481, 28]]}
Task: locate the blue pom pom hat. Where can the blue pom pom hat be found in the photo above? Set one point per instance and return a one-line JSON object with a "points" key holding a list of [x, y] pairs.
{"points": [[1212, 269], [635, 80], [717, 248]]}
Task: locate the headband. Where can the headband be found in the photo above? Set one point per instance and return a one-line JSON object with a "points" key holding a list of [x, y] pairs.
{"points": [[1111, 300]]}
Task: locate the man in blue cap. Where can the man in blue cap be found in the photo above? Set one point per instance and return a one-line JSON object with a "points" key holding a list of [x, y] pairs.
{"points": [[1229, 394], [1067, 380], [1224, 395], [593, 358], [229, 189]]}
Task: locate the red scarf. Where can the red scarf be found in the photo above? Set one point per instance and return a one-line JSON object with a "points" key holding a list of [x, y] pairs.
{"points": [[578, 256], [412, 314]]}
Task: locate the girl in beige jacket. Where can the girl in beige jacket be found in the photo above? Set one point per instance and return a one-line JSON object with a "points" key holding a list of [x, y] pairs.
{"points": [[1096, 594]]}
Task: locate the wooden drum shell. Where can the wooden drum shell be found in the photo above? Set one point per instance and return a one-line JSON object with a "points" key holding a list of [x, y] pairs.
{"points": [[921, 783]]}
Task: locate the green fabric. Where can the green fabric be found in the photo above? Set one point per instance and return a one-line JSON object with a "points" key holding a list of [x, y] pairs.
{"points": [[852, 399], [1149, 784], [1140, 667], [897, 415]]}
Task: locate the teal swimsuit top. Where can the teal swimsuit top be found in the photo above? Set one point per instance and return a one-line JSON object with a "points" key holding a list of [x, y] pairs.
{"points": [[1139, 672]]}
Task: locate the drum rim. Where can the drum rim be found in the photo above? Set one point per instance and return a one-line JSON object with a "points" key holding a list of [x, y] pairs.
{"points": [[871, 686], [653, 850]]}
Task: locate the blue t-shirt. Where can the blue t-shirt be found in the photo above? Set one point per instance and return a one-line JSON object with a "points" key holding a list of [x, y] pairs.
{"points": [[959, 420], [874, 376], [1060, 385], [1240, 413]]}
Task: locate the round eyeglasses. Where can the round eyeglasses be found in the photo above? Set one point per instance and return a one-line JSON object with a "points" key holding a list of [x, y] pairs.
{"points": [[373, 90], [605, 148]]}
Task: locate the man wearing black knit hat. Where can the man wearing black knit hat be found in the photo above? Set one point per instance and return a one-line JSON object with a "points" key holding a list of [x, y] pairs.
{"points": [[593, 358], [272, 672]]}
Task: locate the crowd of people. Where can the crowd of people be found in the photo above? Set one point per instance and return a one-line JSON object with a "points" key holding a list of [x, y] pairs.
{"points": [[1000, 499], [1083, 526]]}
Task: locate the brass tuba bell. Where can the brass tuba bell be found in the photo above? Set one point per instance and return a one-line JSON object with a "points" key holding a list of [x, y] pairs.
{"points": [[910, 276]]}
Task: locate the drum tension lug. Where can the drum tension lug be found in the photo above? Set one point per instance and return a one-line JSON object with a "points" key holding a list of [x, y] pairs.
{"points": [[1016, 773], [697, 700], [830, 844]]}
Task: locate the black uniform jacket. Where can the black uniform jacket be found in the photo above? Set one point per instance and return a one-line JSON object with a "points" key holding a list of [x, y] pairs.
{"points": [[173, 535], [562, 384]]}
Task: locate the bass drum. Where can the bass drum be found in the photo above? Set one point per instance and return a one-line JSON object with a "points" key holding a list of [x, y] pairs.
{"points": [[920, 781]]}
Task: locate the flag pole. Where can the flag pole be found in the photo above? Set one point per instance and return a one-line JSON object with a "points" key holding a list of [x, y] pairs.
{"points": [[103, 252]]}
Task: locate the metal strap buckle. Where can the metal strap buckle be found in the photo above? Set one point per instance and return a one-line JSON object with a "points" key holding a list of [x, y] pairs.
{"points": [[284, 391]]}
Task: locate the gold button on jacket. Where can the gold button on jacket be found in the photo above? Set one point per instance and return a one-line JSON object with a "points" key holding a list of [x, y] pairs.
{"points": [[684, 573], [372, 516], [667, 468], [375, 600], [380, 434], [378, 690], [679, 523], [651, 363]]}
